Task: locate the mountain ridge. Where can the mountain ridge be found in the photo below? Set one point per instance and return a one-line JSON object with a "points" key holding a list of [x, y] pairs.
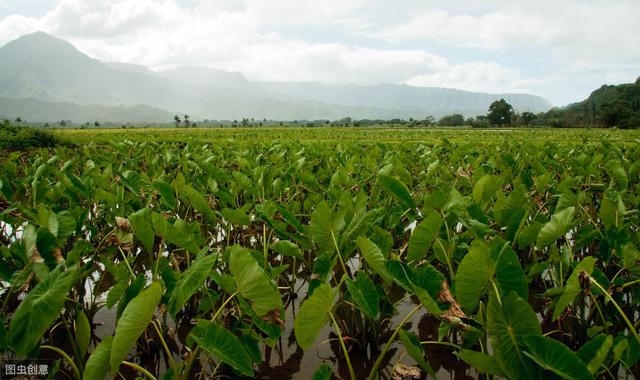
{"points": [[40, 66]]}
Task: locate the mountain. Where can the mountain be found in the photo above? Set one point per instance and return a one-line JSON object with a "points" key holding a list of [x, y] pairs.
{"points": [[404, 98], [41, 111], [44, 68], [608, 106]]}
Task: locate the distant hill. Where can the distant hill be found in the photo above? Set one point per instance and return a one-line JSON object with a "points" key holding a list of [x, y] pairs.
{"points": [[41, 67], [33, 110], [608, 106]]}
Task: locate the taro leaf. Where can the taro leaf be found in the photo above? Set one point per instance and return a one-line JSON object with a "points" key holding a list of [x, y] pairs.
{"points": [[473, 276], [423, 236], [252, 282], [572, 287], [323, 373], [364, 294], [529, 234], [616, 171], [485, 188], [166, 191], [116, 293], [39, 310], [506, 323], [481, 362], [414, 349], [594, 352], [556, 228], [200, 204], [66, 224], [397, 189], [236, 216], [134, 320], [631, 257], [424, 283], [509, 273], [287, 248], [325, 226], [142, 228], [313, 315], [224, 345], [82, 330], [190, 281], [97, 365], [555, 357], [612, 210], [373, 256]]}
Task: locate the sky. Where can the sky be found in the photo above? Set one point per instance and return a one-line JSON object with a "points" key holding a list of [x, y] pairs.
{"points": [[561, 50]]}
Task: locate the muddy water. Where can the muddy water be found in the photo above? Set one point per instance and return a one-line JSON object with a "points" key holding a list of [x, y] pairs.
{"points": [[288, 361]]}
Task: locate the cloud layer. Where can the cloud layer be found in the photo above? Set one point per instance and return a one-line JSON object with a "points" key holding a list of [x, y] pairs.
{"points": [[558, 50]]}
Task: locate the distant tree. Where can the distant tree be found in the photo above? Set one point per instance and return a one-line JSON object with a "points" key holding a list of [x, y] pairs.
{"points": [[187, 122], [429, 120], [500, 113], [18, 120], [527, 117], [63, 123], [452, 120], [177, 120], [96, 124]]}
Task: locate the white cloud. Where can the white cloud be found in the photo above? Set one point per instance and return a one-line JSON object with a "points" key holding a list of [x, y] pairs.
{"points": [[577, 44], [474, 76]]}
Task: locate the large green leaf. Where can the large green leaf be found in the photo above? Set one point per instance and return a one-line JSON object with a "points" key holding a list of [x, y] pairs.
{"points": [[397, 189], [413, 347], [364, 294], [572, 287], [373, 256], [617, 172], [472, 278], [223, 345], [252, 282], [481, 362], [82, 330], [313, 315], [509, 274], [423, 236], [166, 191], [134, 320], [200, 204], [556, 357], [506, 324], [142, 229], [97, 366], [556, 228], [324, 227], [190, 281], [485, 188], [595, 352], [39, 310], [287, 248]]}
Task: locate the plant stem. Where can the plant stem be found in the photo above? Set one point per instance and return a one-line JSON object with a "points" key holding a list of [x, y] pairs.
{"points": [[66, 358], [386, 348], [615, 304], [335, 243], [139, 369], [344, 348], [222, 306], [172, 363]]}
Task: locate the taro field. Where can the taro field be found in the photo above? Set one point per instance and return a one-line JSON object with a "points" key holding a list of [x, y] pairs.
{"points": [[298, 253]]}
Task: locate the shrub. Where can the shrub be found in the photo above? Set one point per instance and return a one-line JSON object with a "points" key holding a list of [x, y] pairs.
{"points": [[19, 137]]}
